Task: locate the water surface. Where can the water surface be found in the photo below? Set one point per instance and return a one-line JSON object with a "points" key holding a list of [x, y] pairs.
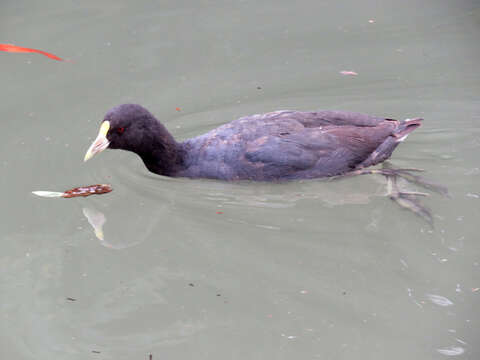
{"points": [[212, 270]]}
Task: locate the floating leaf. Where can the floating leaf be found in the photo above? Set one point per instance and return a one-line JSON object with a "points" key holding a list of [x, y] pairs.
{"points": [[78, 191]]}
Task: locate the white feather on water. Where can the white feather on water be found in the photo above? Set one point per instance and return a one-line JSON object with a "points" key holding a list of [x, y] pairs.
{"points": [[48, 194]]}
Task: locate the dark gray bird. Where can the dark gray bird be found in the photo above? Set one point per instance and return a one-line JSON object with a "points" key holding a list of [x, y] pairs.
{"points": [[280, 145]]}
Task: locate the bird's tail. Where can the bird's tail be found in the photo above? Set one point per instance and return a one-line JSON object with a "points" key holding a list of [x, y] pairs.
{"points": [[385, 149]]}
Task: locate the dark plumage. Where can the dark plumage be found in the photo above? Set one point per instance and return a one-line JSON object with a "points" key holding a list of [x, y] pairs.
{"points": [[273, 146]]}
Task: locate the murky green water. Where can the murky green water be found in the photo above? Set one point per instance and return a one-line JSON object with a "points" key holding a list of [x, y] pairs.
{"points": [[196, 269]]}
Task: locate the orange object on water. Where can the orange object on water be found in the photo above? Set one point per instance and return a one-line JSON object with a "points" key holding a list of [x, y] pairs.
{"points": [[19, 49]]}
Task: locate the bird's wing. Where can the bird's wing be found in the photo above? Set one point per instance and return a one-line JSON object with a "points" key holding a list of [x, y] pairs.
{"points": [[326, 143], [314, 119]]}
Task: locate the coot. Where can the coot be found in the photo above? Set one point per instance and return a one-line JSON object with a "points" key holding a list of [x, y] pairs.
{"points": [[279, 145]]}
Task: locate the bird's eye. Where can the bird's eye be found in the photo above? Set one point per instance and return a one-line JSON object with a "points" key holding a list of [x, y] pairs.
{"points": [[120, 130]]}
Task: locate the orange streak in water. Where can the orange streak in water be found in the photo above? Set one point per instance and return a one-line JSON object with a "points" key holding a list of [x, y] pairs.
{"points": [[19, 49]]}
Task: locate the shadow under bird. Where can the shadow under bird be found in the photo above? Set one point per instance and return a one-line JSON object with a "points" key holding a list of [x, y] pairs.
{"points": [[276, 146]]}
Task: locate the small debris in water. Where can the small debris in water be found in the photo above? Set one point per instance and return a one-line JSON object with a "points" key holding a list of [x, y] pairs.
{"points": [[348, 72], [19, 49], [78, 191], [371, 21], [95, 351], [177, 108], [71, 299], [219, 212], [88, 190], [191, 284], [451, 351], [439, 300]]}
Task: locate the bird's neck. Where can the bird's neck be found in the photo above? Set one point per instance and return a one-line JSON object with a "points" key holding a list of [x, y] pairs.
{"points": [[163, 156]]}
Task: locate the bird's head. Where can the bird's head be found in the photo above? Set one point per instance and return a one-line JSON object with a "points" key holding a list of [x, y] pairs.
{"points": [[128, 127]]}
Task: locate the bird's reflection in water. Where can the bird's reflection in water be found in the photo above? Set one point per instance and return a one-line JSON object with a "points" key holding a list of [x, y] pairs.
{"points": [[196, 201], [96, 219]]}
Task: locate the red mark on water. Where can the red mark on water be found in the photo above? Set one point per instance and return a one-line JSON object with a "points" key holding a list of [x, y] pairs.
{"points": [[177, 108], [348, 72], [19, 49], [219, 212]]}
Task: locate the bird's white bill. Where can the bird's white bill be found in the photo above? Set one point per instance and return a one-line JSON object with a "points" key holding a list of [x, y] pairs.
{"points": [[100, 143]]}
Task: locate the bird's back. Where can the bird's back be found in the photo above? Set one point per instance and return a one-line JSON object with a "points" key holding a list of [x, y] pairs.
{"points": [[288, 145]]}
